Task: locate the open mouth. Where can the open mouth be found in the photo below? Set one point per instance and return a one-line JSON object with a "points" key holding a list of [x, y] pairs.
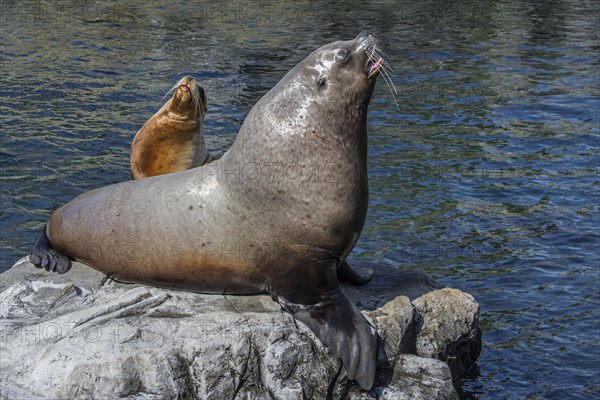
{"points": [[373, 67]]}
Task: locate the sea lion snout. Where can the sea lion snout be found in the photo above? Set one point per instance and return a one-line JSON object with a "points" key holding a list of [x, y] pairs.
{"points": [[370, 46], [186, 79]]}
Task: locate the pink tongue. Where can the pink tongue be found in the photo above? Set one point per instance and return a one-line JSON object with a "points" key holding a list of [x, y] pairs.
{"points": [[375, 65]]}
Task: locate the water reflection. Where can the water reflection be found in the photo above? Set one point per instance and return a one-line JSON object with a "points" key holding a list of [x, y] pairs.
{"points": [[485, 177]]}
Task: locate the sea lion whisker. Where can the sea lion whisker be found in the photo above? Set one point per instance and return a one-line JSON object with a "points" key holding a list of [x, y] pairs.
{"points": [[173, 88], [169, 92], [196, 98], [195, 102], [374, 43], [375, 60], [386, 64], [382, 55], [380, 51], [390, 84], [378, 47], [391, 91], [368, 45], [386, 74], [375, 54], [372, 53], [387, 77]]}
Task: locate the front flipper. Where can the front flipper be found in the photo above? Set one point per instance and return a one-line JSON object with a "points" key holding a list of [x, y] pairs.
{"points": [[342, 328], [305, 283], [354, 275]]}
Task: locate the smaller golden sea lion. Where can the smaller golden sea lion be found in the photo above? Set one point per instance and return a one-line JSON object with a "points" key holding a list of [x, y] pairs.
{"points": [[172, 139]]}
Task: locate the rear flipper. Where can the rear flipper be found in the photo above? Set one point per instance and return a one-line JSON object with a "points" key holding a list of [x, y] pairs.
{"points": [[42, 255], [353, 276], [342, 328]]}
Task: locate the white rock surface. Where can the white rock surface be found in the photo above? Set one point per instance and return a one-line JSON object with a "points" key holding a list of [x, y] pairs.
{"points": [[82, 336]]}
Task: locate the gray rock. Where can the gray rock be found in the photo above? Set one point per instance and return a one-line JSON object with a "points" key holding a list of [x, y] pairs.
{"points": [[415, 378], [450, 330], [83, 336]]}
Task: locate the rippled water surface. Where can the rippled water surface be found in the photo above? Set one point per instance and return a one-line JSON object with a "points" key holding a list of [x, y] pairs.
{"points": [[486, 175]]}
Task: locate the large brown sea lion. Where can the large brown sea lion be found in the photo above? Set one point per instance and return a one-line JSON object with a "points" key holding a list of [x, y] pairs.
{"points": [[172, 139], [246, 224]]}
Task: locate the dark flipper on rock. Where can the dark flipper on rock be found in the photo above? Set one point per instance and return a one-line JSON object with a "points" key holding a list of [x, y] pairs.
{"points": [[311, 294], [354, 275], [342, 328], [42, 255]]}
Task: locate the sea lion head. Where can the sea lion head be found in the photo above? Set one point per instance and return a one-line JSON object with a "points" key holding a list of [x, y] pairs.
{"points": [[344, 72], [341, 74], [189, 99], [326, 94]]}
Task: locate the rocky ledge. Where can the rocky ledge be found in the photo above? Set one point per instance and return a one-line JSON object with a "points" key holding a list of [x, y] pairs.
{"points": [[84, 336]]}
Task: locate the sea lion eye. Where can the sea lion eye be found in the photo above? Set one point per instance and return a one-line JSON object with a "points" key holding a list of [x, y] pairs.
{"points": [[322, 83], [342, 56]]}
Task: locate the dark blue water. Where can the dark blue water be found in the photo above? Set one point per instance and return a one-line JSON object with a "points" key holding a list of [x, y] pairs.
{"points": [[486, 175]]}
